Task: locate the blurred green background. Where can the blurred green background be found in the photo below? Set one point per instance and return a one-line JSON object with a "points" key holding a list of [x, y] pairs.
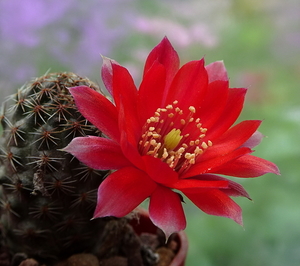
{"points": [[259, 42]]}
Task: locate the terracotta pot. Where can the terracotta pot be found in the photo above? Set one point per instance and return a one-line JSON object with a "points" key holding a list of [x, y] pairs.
{"points": [[144, 224]]}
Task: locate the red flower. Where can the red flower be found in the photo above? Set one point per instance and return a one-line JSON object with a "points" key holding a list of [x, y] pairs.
{"points": [[174, 133]]}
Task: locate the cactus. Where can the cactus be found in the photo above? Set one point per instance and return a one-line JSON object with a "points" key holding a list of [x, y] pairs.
{"points": [[47, 197]]}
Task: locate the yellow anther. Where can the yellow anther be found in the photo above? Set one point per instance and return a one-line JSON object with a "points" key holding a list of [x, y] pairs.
{"points": [[157, 146], [192, 161], [170, 160], [204, 145], [209, 143], [165, 154], [181, 150], [188, 156], [198, 151], [192, 109], [153, 142], [172, 139], [184, 145]]}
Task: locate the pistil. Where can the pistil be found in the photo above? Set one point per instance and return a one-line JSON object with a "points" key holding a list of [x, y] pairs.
{"points": [[172, 139]]}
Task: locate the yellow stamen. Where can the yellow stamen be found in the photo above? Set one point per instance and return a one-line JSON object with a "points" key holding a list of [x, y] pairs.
{"points": [[165, 137]]}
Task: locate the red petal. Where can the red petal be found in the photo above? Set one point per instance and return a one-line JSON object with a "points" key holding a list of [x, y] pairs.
{"points": [[208, 166], [124, 89], [129, 127], [254, 140], [216, 71], [130, 151], [125, 96], [165, 54], [98, 153], [215, 202], [189, 85], [213, 103], [159, 171], [247, 166], [195, 185], [129, 140], [232, 139], [166, 211], [98, 110], [233, 189], [230, 113], [151, 91], [107, 74], [122, 191]]}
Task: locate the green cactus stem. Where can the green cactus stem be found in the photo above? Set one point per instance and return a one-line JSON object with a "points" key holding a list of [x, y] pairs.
{"points": [[47, 197]]}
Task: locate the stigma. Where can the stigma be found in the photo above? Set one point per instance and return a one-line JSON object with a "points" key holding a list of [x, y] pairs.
{"points": [[172, 139], [175, 136]]}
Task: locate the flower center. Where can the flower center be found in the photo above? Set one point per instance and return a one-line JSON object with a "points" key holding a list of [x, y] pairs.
{"points": [[174, 136]]}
